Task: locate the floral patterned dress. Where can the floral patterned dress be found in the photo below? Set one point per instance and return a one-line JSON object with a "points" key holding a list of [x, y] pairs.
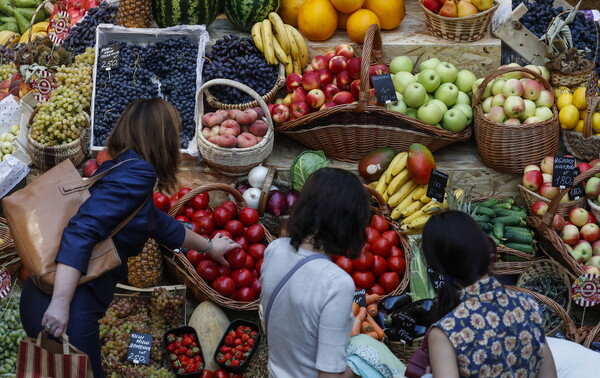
{"points": [[495, 332]]}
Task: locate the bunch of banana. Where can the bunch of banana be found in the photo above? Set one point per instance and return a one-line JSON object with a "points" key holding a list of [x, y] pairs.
{"points": [[8, 38], [414, 223], [37, 30], [281, 43]]}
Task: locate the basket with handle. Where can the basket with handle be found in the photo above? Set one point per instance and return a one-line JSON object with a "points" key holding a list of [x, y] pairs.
{"points": [[593, 336], [571, 79], [509, 148], [585, 145], [562, 209], [235, 161], [347, 132], [549, 239], [182, 269], [459, 29]]}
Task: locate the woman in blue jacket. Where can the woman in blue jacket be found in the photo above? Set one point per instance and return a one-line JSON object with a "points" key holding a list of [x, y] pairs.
{"points": [[148, 134]]}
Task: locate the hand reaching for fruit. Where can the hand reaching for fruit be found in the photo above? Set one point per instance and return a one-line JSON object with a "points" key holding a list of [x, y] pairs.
{"points": [[216, 247]]}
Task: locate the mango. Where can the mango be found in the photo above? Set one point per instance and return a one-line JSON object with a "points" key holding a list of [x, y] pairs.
{"points": [[420, 163], [375, 162]]}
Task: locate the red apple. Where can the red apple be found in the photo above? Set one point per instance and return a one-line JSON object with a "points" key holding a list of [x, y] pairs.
{"points": [[372, 97], [570, 234], [589, 232], [583, 166], [337, 64], [533, 180], [287, 100], [591, 269], [592, 218], [548, 191], [343, 81], [596, 248], [353, 67], [293, 81], [271, 106], [343, 97], [319, 61], [330, 90], [299, 95], [378, 69], [328, 55], [280, 113], [328, 105], [245, 140], [578, 216], [355, 88], [558, 222], [299, 109], [89, 167], [311, 80], [539, 208], [325, 76], [531, 167], [345, 50], [432, 5], [315, 98]]}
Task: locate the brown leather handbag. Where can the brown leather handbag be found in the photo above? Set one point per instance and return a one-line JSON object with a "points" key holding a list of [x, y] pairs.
{"points": [[38, 214]]}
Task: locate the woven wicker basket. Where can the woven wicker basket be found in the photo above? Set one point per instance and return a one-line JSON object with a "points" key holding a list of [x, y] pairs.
{"points": [[549, 240], [403, 351], [545, 267], [45, 157], [509, 148], [183, 270], [585, 146], [459, 29], [594, 335], [215, 103], [236, 161], [562, 209], [347, 132]]}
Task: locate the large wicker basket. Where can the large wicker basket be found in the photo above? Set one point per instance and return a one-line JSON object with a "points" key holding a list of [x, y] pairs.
{"points": [[562, 209], [509, 148], [347, 132], [45, 157], [586, 146], [459, 29], [183, 270], [549, 240], [235, 161]]}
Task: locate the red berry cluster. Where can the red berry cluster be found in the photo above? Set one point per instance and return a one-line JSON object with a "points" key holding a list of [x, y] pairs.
{"points": [[237, 346], [184, 353]]}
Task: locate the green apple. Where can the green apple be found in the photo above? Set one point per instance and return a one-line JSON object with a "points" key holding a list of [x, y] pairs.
{"points": [[529, 111], [440, 104], [430, 113], [402, 80], [455, 120], [398, 106], [447, 93], [429, 97], [487, 91], [462, 98], [401, 64], [543, 113], [464, 80], [447, 72], [513, 75], [497, 86], [467, 110], [429, 79], [415, 95], [429, 64], [411, 112], [486, 105]]}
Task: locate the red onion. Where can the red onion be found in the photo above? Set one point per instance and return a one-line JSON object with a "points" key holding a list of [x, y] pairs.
{"points": [[291, 197], [276, 203], [242, 187]]}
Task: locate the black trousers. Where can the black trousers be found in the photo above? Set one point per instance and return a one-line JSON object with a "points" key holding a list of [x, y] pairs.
{"points": [[83, 329]]}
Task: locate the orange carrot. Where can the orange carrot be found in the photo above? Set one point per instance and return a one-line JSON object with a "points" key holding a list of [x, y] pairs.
{"points": [[362, 313], [365, 327], [355, 308], [372, 298], [376, 328], [373, 335], [372, 309]]}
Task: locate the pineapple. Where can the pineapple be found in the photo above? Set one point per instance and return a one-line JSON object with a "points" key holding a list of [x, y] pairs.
{"points": [[145, 269], [134, 13]]}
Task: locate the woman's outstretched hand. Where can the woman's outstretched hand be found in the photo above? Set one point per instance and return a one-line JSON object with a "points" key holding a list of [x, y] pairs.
{"points": [[222, 245]]}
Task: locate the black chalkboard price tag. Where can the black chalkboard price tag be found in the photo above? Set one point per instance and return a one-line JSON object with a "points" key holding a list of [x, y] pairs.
{"points": [[578, 191], [436, 279], [384, 88], [360, 297], [139, 347], [563, 172], [109, 57], [437, 185]]}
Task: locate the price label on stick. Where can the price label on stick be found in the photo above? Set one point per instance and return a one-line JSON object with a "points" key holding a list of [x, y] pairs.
{"points": [[5, 282], [59, 27], [360, 297], [139, 347], [586, 290], [384, 88], [578, 191], [436, 188], [109, 57], [563, 172]]}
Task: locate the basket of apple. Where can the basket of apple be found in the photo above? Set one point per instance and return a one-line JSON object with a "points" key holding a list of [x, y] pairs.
{"points": [[333, 107], [572, 240], [459, 20], [234, 141], [536, 187], [516, 121]]}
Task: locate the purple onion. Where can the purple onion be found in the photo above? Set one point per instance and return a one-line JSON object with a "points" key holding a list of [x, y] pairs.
{"points": [[276, 203], [291, 197], [242, 187]]}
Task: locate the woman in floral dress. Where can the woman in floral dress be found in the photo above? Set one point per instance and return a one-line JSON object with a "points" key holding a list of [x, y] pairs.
{"points": [[484, 330]]}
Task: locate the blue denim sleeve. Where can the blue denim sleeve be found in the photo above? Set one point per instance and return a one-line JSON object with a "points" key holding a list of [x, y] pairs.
{"points": [[113, 199], [168, 231]]}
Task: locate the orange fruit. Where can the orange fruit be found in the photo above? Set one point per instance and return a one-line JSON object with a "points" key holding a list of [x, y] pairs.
{"points": [[390, 12], [359, 22], [342, 19], [289, 11], [347, 6], [317, 19]]}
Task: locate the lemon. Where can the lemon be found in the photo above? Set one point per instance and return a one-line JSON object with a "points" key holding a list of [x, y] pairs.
{"points": [[560, 90], [564, 99], [596, 122], [568, 117], [579, 126], [579, 98]]}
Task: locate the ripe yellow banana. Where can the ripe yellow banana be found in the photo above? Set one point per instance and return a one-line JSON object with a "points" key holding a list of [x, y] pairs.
{"points": [[406, 202], [267, 40], [401, 193], [373, 184], [40, 27], [294, 49], [419, 192], [289, 66], [411, 209], [301, 45], [400, 164], [459, 193], [297, 66], [418, 223], [424, 199], [256, 36], [386, 197], [281, 32], [413, 216], [280, 54], [435, 207], [398, 181], [8, 37], [381, 186]]}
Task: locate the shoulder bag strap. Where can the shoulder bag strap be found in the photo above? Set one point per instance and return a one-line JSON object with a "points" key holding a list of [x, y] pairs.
{"points": [[126, 220], [285, 279], [86, 184]]}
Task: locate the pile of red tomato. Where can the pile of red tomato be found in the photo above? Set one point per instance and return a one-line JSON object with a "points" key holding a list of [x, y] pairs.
{"points": [[380, 266], [240, 281]]}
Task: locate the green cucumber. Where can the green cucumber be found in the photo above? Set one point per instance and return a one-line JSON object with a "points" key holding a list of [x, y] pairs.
{"points": [[482, 210], [517, 237], [502, 205], [498, 230], [507, 221], [521, 230], [527, 248], [508, 213], [486, 227], [490, 202], [491, 235], [481, 218], [508, 200]]}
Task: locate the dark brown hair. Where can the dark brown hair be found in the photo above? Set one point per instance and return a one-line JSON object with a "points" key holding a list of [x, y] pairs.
{"points": [[151, 128]]}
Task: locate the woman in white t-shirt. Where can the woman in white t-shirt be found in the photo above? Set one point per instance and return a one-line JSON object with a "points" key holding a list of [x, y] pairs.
{"points": [[310, 319]]}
